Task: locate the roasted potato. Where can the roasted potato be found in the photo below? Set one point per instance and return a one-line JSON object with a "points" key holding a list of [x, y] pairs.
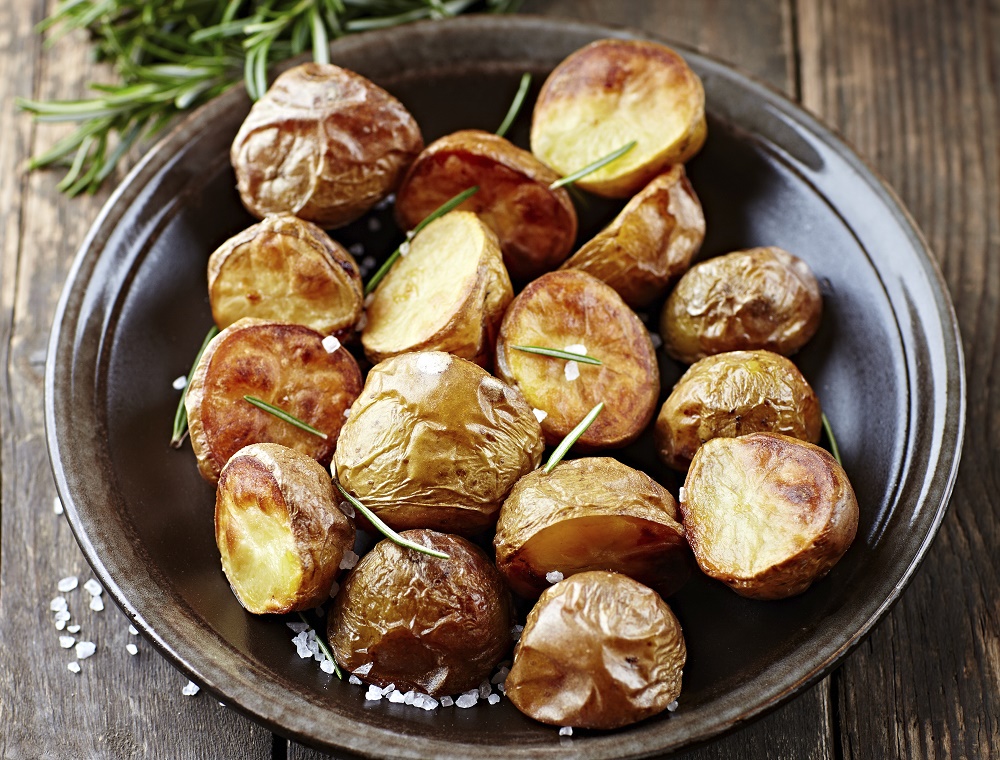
{"points": [[591, 514], [284, 365], [767, 514], [435, 442], [448, 293], [758, 298], [278, 529], [599, 650], [286, 270], [733, 394], [612, 92], [324, 144], [536, 225], [570, 308], [650, 243], [437, 626]]}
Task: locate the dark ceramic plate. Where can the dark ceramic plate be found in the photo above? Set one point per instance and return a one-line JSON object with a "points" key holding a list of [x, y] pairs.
{"points": [[886, 364]]}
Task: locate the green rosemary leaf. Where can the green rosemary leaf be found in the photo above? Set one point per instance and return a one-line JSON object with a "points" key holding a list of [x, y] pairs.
{"points": [[515, 105], [573, 437], [590, 168], [384, 529], [281, 414], [833, 441], [325, 649], [557, 354], [180, 416]]}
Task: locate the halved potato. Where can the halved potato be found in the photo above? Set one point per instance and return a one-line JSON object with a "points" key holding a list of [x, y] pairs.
{"points": [[278, 529], [650, 243], [448, 293], [286, 270], [536, 225], [570, 308], [591, 514], [284, 365], [767, 514], [612, 92]]}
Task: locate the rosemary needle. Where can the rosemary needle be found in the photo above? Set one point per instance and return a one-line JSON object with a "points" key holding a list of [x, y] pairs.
{"points": [[385, 530], [180, 416], [515, 106], [281, 414], [324, 647], [833, 441], [573, 437], [590, 168], [557, 354]]}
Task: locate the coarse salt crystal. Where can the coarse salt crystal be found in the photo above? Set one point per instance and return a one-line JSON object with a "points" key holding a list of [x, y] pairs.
{"points": [[576, 348], [374, 694], [354, 680], [180, 382], [447, 701], [572, 370], [429, 703], [433, 363], [68, 584], [672, 706], [396, 697], [364, 669], [60, 625], [57, 506], [295, 626], [485, 689], [66, 641], [554, 576], [347, 412], [334, 589], [347, 508], [388, 689], [501, 688], [385, 202], [349, 561], [369, 299], [73, 667], [62, 616], [682, 494], [331, 343], [655, 339], [191, 689], [96, 604], [515, 632], [85, 649], [327, 666], [540, 415], [566, 731], [409, 697], [58, 604], [493, 699], [404, 248], [72, 629], [132, 649], [93, 588], [132, 630], [467, 700]]}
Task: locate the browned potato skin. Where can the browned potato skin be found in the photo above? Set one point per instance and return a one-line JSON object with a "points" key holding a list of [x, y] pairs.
{"points": [[757, 298], [733, 394], [571, 307], [287, 270], [285, 365], [599, 650], [437, 626], [536, 225], [294, 489], [599, 493], [320, 115], [650, 243], [799, 504], [435, 442]]}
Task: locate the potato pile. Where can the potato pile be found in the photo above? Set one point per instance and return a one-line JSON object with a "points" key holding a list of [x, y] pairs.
{"points": [[493, 335]]}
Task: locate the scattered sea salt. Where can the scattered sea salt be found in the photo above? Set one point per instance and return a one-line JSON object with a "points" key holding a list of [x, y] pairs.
{"points": [[73, 667], [72, 629], [572, 370], [93, 588], [447, 701], [58, 604], [357, 249], [385, 202], [57, 506], [409, 697], [347, 412], [566, 731], [397, 697], [682, 494], [364, 669], [404, 248], [554, 576], [672, 706], [96, 604], [349, 561], [334, 589], [354, 680], [347, 508], [132, 630], [180, 382], [388, 689], [368, 262], [515, 632], [485, 689], [468, 699], [132, 649], [374, 694], [576, 348], [62, 616], [191, 689], [656, 340], [540, 415], [85, 649], [327, 665], [374, 224], [66, 641], [296, 626], [331, 343], [68, 584], [60, 625], [493, 699]]}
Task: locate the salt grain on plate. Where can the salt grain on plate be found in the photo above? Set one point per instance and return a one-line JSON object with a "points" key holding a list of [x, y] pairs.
{"points": [[179, 382], [191, 689], [72, 629], [96, 604], [364, 669], [62, 616], [85, 649], [554, 576], [540, 415], [572, 370], [467, 700], [566, 731], [57, 506], [334, 589], [349, 561], [396, 697], [485, 689], [672, 706], [132, 630], [93, 588], [354, 680], [68, 584], [74, 667], [374, 694], [493, 699], [132, 649], [331, 343], [388, 689], [447, 701], [58, 604], [327, 666], [66, 641]]}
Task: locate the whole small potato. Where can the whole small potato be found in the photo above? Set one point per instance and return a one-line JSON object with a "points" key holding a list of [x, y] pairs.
{"points": [[599, 650], [278, 528], [437, 626], [767, 514], [758, 298], [323, 143], [733, 394]]}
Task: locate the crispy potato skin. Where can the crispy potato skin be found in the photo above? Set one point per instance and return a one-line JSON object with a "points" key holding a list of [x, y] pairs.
{"points": [[593, 514], [285, 269], [599, 650], [767, 514], [650, 243], [434, 441], [324, 144], [285, 365], [288, 494], [536, 225], [759, 298], [733, 394], [438, 626], [566, 308], [608, 93]]}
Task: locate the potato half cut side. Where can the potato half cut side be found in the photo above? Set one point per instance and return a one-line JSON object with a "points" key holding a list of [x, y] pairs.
{"points": [[281, 364], [612, 92], [285, 269], [448, 293], [767, 514], [278, 528], [591, 514]]}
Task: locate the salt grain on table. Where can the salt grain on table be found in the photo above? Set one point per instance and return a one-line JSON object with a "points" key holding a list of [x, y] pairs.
{"points": [[132, 630], [191, 689], [566, 731], [354, 680], [96, 604], [58, 604], [327, 666], [68, 584], [57, 506], [493, 699], [132, 649], [72, 629], [447, 701], [180, 382], [374, 694], [66, 641], [85, 649], [93, 588], [467, 699], [74, 667]]}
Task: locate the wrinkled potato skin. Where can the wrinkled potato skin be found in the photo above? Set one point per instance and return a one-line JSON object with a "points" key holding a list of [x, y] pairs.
{"points": [[437, 626], [287, 270], [436, 449], [536, 225], [650, 243], [599, 650], [767, 514], [759, 298], [599, 491], [292, 488], [733, 394], [320, 115]]}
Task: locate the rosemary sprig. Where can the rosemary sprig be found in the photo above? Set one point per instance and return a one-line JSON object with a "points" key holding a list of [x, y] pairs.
{"points": [[180, 416], [385, 530], [325, 649], [573, 437], [557, 354], [281, 414], [590, 168], [833, 441], [515, 105]]}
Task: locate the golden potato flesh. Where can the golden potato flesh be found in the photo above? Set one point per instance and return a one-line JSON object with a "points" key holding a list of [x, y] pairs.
{"points": [[281, 364], [536, 225], [436, 442], [448, 293], [650, 243], [767, 514], [436, 626], [758, 298], [591, 514], [278, 529], [733, 394], [609, 93], [572, 309], [324, 144], [286, 270], [599, 650]]}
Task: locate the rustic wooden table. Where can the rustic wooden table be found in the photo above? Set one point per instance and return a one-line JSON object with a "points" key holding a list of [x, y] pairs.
{"points": [[913, 84]]}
